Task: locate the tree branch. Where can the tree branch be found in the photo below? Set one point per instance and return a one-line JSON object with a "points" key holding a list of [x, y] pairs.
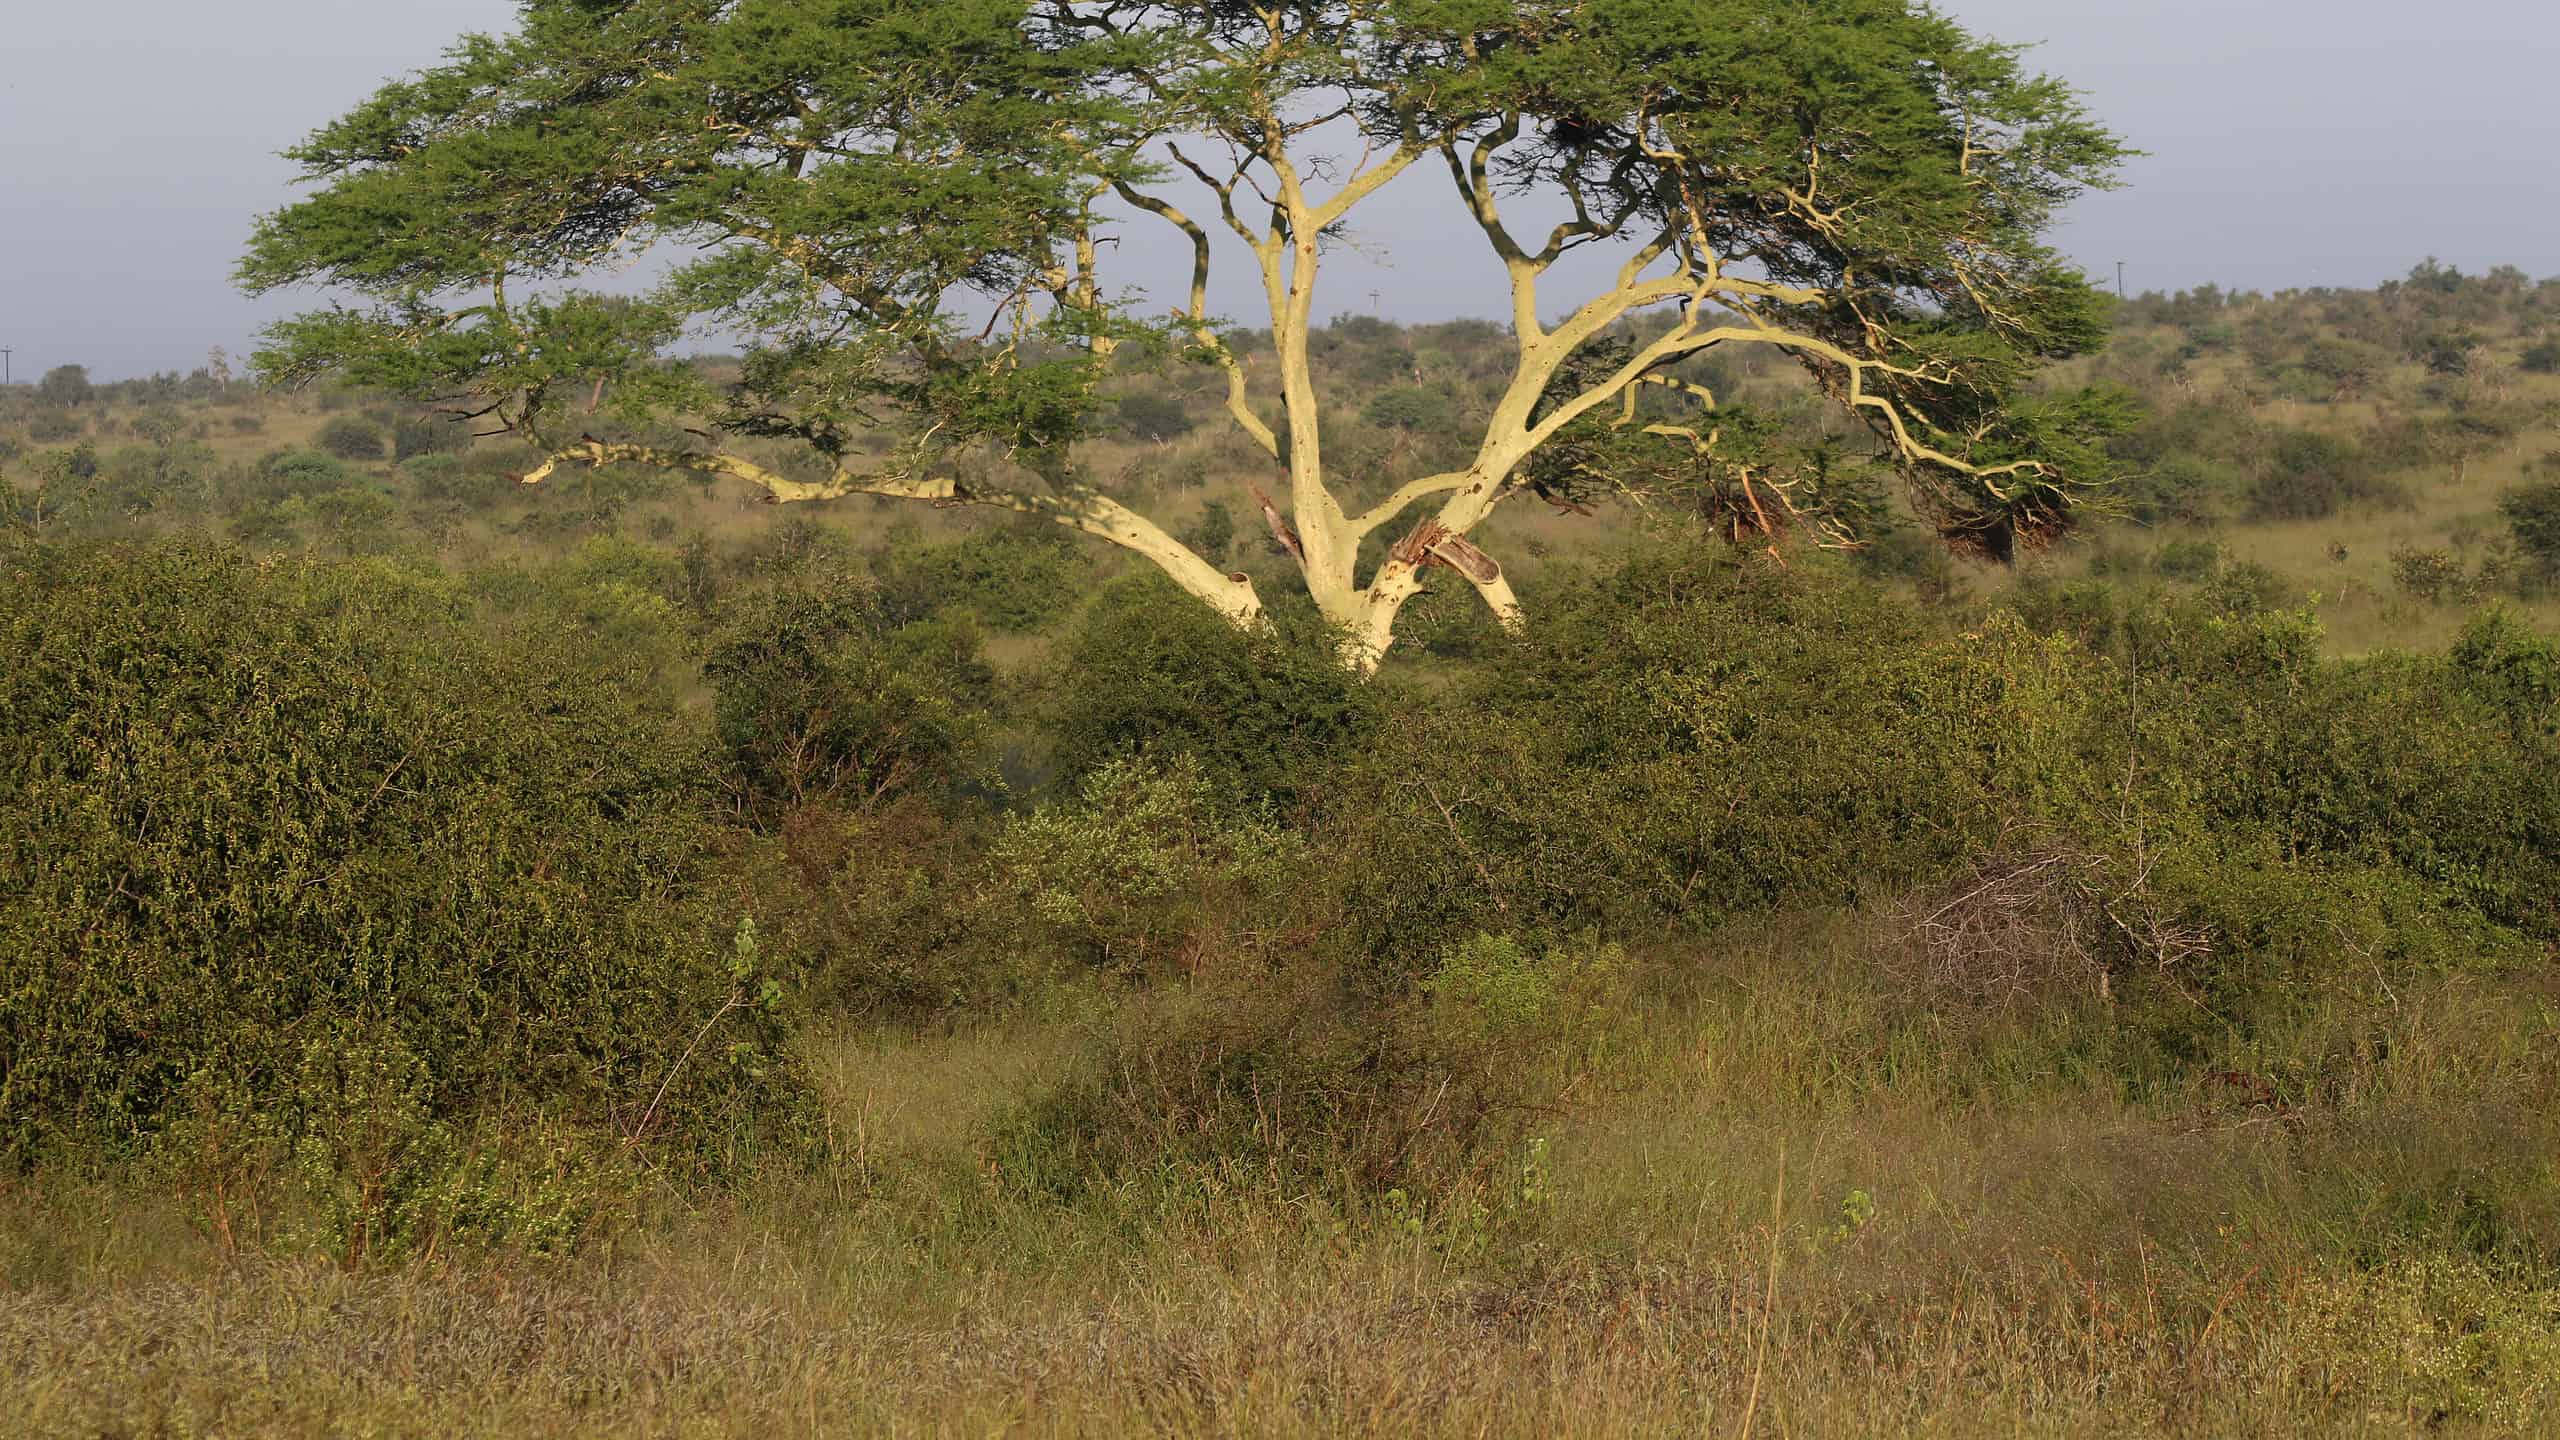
{"points": [[1079, 508], [1238, 402]]}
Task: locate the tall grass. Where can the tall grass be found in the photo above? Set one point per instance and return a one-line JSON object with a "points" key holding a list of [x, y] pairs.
{"points": [[1986, 1230]]}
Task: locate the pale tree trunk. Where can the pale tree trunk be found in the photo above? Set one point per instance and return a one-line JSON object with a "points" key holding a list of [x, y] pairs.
{"points": [[1081, 509]]}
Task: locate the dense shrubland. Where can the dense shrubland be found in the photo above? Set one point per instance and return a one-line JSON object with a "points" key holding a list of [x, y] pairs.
{"points": [[400, 865]]}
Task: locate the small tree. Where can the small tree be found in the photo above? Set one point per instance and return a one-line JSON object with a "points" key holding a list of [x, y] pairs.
{"points": [[2533, 513], [1860, 184], [66, 385], [352, 437]]}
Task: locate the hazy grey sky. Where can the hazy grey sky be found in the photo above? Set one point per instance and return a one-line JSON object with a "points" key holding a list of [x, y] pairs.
{"points": [[2294, 142]]}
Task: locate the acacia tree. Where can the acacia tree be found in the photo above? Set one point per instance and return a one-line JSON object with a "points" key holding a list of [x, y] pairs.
{"points": [[858, 184]]}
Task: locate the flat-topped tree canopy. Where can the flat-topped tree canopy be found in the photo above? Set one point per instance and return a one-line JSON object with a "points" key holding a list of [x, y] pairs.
{"points": [[1860, 184]]}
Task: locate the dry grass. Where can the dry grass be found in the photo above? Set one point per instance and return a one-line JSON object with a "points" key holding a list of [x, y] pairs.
{"points": [[1978, 1238]]}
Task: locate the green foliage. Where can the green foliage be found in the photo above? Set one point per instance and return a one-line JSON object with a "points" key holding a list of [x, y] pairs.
{"points": [[1151, 871], [1212, 537], [1505, 1024], [1681, 741], [299, 474], [2423, 770], [1886, 175], [1018, 577], [2448, 352], [2542, 358], [818, 698], [1414, 409], [2310, 474], [2430, 575], [416, 435], [314, 818], [2532, 512], [66, 386], [425, 187], [446, 479], [1147, 672], [1154, 415], [352, 437]]}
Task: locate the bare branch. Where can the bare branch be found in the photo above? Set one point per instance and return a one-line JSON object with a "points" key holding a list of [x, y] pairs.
{"points": [[1239, 404], [1079, 508]]}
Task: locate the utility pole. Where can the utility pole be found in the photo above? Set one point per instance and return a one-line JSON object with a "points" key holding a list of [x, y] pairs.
{"points": [[5, 353], [1373, 302], [2119, 279]]}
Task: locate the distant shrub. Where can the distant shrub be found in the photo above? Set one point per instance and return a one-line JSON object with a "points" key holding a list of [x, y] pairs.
{"points": [[1213, 536], [370, 878], [444, 477], [2188, 559], [1155, 415], [1416, 409], [1907, 552], [248, 423], [2244, 588], [299, 474], [263, 525], [415, 435], [352, 437], [1680, 740], [2542, 358], [1448, 619], [66, 386], [1277, 1066], [1014, 577], [2344, 365], [2429, 574], [50, 427], [2447, 352], [354, 516], [2309, 474], [2532, 512], [2085, 610]]}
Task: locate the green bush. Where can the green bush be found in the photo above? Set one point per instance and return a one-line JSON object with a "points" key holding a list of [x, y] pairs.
{"points": [[1283, 1067], [2309, 475], [1154, 415], [2428, 574], [352, 437], [1212, 537], [1152, 671], [1416, 409], [1014, 577], [2532, 512], [415, 435], [2191, 559], [261, 817], [2444, 769], [1680, 740], [1150, 871], [297, 475], [817, 698]]}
